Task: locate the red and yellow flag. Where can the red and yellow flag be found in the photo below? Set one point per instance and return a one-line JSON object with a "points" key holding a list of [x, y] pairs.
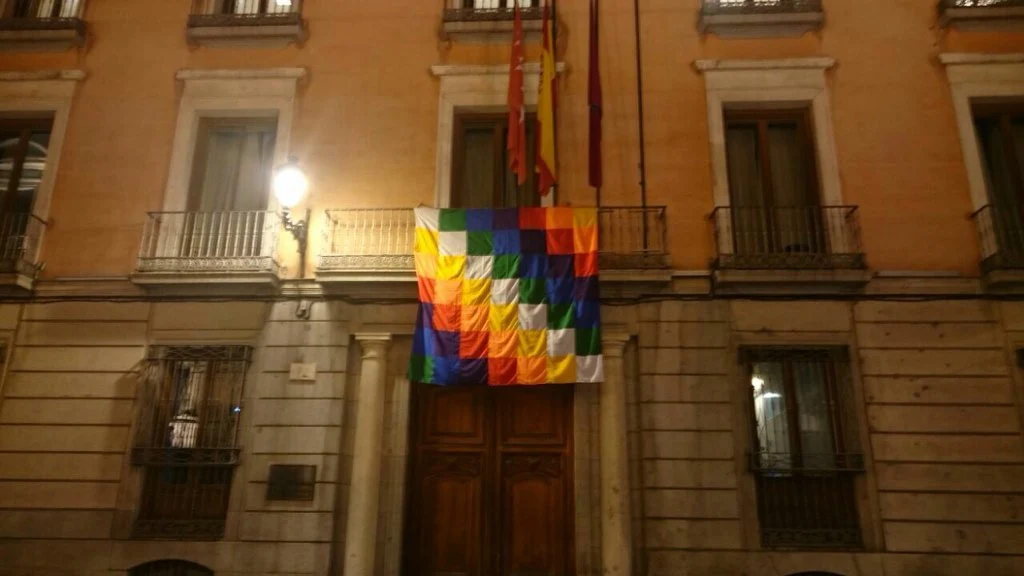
{"points": [[517, 102], [546, 154]]}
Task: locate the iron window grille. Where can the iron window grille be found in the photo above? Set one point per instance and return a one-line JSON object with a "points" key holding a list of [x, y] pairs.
{"points": [[711, 7], [227, 13], [806, 452], [187, 439], [491, 10]]}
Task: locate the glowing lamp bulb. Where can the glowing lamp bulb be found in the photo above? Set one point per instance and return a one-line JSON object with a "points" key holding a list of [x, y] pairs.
{"points": [[290, 185]]}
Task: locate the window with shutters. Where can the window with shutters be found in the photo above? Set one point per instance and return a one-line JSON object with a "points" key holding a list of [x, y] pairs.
{"points": [[187, 439], [481, 177], [806, 454], [1000, 223]]}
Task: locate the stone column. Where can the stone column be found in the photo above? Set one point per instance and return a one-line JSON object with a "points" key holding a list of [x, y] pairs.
{"points": [[364, 492], [616, 522]]}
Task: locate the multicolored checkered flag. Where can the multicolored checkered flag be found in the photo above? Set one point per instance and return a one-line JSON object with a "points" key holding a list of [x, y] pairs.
{"points": [[507, 296]]}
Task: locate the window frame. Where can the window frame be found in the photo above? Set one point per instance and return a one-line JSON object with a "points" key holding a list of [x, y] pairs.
{"points": [[499, 124], [25, 127], [1002, 112]]}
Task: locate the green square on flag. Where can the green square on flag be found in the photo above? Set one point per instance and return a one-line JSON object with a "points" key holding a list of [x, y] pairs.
{"points": [[506, 266], [479, 243], [452, 220], [531, 290]]}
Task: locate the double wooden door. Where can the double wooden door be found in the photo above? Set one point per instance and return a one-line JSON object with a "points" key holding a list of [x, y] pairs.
{"points": [[490, 486]]}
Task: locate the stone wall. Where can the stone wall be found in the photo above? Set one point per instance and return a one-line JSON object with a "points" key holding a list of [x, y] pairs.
{"points": [[936, 389]]}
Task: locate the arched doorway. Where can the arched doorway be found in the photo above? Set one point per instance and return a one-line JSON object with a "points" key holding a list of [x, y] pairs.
{"points": [[170, 568], [815, 574]]}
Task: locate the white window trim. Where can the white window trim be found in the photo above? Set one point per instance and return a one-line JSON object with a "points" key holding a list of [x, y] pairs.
{"points": [[260, 93], [973, 77], [771, 84], [49, 92], [474, 89]]}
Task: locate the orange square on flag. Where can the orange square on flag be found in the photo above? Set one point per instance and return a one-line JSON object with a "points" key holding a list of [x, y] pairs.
{"points": [[473, 344], [474, 318], [447, 292], [426, 265], [586, 264], [504, 344], [585, 239], [560, 217], [426, 289], [532, 370], [447, 317]]}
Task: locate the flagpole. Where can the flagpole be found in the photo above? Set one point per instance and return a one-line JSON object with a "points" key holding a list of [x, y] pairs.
{"points": [[554, 109], [640, 120]]}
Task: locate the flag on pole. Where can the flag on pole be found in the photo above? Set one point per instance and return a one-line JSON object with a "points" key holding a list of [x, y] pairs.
{"points": [[546, 155], [507, 296], [594, 99], [517, 102]]}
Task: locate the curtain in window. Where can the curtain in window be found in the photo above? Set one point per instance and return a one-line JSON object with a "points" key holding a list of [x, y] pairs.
{"points": [[815, 418], [237, 170], [1007, 211], [750, 225], [797, 222], [770, 413]]}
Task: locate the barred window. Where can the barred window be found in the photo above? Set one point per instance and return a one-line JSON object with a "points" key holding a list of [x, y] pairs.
{"points": [[806, 451], [187, 439]]}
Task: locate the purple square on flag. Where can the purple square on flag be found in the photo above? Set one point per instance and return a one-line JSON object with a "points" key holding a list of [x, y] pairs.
{"points": [[586, 288], [533, 241], [506, 219], [533, 265], [448, 344], [561, 266], [472, 371], [559, 290], [505, 241]]}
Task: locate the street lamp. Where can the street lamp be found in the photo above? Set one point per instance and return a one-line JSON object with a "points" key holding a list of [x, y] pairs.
{"points": [[290, 186]]}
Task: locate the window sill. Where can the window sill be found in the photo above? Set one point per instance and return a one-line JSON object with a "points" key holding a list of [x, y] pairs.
{"points": [[982, 19], [733, 281], [264, 36], [761, 25], [488, 31], [209, 281], [55, 40]]}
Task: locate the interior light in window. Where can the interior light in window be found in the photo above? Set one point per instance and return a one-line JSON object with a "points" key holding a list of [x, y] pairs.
{"points": [[284, 2], [757, 382], [771, 395]]}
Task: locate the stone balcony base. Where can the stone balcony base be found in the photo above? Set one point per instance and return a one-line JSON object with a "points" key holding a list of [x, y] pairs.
{"points": [[55, 40], [761, 25], [728, 281], [986, 18]]}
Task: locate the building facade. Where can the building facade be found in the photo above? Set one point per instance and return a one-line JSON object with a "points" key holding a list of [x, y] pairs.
{"points": [[812, 257]]}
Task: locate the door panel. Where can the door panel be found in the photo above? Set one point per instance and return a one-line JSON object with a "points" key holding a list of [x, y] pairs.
{"points": [[533, 538], [490, 482]]}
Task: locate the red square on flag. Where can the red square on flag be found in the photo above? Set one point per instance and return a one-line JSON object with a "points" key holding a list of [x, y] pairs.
{"points": [[473, 345], [447, 317], [502, 371], [426, 286], [533, 218], [586, 264], [560, 241]]}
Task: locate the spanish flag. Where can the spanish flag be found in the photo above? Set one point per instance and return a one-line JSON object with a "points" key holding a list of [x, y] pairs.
{"points": [[546, 156]]}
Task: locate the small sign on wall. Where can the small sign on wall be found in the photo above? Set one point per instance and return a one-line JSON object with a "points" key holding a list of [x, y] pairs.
{"points": [[302, 372]]}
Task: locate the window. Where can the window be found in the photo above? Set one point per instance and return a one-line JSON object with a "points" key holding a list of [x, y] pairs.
{"points": [[481, 176], [41, 9], [805, 451], [1000, 132], [496, 4], [24, 147], [245, 7], [187, 439], [773, 183]]}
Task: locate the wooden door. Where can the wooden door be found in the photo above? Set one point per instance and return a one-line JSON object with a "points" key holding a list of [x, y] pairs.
{"points": [[490, 482]]}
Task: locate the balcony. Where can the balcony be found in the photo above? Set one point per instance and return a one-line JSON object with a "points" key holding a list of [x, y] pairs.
{"points": [[41, 25], [246, 23], [488, 20], [760, 18], [19, 242], [1001, 236], [209, 248], [982, 14], [799, 248], [372, 248], [811, 506]]}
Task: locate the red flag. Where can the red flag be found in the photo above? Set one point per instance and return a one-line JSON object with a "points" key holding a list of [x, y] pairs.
{"points": [[546, 103], [594, 100], [517, 102]]}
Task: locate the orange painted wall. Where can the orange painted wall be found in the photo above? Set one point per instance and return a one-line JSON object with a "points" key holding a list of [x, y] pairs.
{"points": [[366, 118]]}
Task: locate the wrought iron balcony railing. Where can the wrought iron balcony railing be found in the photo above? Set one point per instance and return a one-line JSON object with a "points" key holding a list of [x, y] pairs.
{"points": [[19, 242], [192, 242], [738, 7], [381, 239], [226, 13], [810, 505], [42, 15], [184, 503], [1001, 234], [806, 237], [979, 4], [489, 10]]}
